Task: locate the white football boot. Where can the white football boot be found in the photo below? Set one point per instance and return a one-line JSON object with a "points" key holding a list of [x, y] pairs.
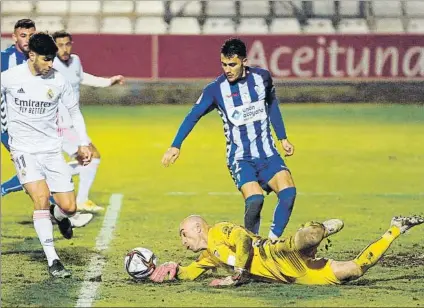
{"points": [[80, 219], [406, 223], [333, 226]]}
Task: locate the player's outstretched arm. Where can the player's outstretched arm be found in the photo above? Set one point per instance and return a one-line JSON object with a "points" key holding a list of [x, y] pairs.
{"points": [[203, 106], [170, 156], [237, 239], [101, 82], [118, 79]]}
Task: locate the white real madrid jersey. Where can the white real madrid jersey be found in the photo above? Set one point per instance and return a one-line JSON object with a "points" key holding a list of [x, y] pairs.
{"points": [[73, 72], [32, 106]]}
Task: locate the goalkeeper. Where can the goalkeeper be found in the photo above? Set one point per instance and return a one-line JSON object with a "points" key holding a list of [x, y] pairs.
{"points": [[287, 260]]}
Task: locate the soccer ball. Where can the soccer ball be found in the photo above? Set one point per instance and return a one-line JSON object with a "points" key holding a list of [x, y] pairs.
{"points": [[140, 263]]}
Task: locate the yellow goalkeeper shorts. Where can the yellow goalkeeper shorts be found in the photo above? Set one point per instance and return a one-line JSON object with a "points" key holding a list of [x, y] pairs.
{"points": [[319, 272]]}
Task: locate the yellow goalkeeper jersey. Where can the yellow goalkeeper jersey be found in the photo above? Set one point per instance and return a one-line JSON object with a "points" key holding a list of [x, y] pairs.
{"points": [[230, 246]]}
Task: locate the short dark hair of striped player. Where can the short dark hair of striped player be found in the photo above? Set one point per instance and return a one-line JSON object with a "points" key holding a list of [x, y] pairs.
{"points": [[232, 47], [43, 44], [25, 23], [60, 34]]}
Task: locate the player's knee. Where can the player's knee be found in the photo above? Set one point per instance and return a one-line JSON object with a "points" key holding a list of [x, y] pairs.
{"points": [[347, 271], [315, 234], [68, 206], [310, 236], [253, 211]]}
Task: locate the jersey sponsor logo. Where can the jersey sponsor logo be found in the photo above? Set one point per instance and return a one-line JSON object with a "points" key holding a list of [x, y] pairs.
{"points": [[32, 107], [247, 113], [236, 114]]}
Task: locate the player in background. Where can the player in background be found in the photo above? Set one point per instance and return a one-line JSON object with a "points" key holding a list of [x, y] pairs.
{"points": [[288, 260], [10, 57], [15, 55], [32, 92], [70, 66], [245, 99]]}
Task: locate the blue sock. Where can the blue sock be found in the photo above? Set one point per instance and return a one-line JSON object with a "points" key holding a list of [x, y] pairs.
{"points": [[283, 210], [11, 185], [252, 213], [51, 199]]}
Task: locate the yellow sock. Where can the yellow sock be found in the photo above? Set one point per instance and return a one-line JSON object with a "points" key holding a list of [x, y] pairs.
{"points": [[371, 254]]}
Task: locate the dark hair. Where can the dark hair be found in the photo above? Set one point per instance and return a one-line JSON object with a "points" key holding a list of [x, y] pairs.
{"points": [[25, 23], [43, 44], [60, 34], [232, 47]]}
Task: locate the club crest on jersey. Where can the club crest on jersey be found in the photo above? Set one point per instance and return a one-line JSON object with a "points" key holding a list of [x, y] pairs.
{"points": [[50, 94]]}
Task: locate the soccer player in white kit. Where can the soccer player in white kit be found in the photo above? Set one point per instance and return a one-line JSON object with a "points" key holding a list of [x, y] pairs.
{"points": [[32, 92], [70, 66]]}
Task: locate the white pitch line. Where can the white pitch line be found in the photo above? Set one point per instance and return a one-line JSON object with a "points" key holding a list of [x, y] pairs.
{"points": [[92, 278]]}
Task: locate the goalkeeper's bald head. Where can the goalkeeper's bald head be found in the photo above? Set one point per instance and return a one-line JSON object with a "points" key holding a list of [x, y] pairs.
{"points": [[194, 233]]}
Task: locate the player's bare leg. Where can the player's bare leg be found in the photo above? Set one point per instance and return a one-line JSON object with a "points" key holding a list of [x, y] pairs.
{"points": [[350, 270], [310, 235], [64, 208], [39, 193], [254, 200], [283, 185], [87, 175]]}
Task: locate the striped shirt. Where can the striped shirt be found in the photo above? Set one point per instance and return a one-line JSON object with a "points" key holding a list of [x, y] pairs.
{"points": [[247, 108], [10, 57]]}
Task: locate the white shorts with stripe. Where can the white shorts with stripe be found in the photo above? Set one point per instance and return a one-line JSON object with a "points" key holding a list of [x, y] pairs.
{"points": [[50, 167]]}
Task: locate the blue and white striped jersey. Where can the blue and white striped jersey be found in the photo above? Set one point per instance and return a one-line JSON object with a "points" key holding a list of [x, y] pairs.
{"points": [[247, 107], [10, 57]]}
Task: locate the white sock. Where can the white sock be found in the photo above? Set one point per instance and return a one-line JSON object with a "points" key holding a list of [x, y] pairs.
{"points": [[75, 167], [44, 228], [87, 175], [59, 214], [272, 236]]}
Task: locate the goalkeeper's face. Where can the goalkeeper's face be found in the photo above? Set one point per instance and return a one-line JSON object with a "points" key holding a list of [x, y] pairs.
{"points": [[191, 237]]}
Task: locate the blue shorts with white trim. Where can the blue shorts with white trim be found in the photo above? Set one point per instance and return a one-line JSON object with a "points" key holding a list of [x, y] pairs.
{"points": [[260, 170]]}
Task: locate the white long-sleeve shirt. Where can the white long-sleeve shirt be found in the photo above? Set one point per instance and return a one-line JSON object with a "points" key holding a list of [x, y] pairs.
{"points": [[74, 73], [32, 105]]}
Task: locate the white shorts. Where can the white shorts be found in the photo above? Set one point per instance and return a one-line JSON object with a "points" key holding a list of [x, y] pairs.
{"points": [[71, 141], [51, 167]]}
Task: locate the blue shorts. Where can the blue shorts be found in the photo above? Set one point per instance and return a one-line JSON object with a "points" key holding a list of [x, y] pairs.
{"points": [[5, 140], [260, 170]]}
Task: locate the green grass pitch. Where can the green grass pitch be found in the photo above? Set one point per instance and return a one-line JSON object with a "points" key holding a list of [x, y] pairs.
{"points": [[361, 163]]}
